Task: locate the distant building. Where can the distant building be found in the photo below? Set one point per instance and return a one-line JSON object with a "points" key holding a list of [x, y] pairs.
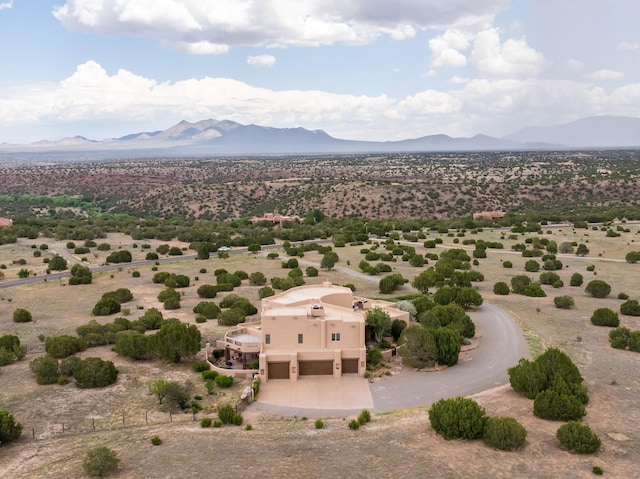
{"points": [[489, 215], [312, 330], [6, 222], [276, 218]]}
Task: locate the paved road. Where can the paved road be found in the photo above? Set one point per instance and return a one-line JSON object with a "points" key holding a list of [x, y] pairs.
{"points": [[501, 346]]}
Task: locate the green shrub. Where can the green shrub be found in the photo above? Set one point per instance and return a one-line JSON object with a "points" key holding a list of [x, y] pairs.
{"points": [[69, 365], [319, 424], [224, 381], [534, 291], [217, 423], [100, 461], [62, 346], [209, 375], [207, 291], [507, 264], [21, 315], [597, 470], [457, 418], [237, 419], [156, 441], [605, 317], [95, 373], [46, 369], [576, 279], [630, 308], [364, 417], [564, 302], [207, 309], [598, 288], [578, 437], [504, 433], [121, 295], [248, 427], [619, 338], [200, 366], [354, 425], [557, 407], [10, 429], [106, 306], [265, 292], [226, 413], [206, 422], [501, 288]]}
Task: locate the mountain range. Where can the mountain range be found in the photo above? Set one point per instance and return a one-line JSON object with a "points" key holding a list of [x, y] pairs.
{"points": [[213, 137]]}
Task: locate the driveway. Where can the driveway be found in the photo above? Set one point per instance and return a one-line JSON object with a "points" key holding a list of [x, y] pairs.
{"points": [[501, 346]]}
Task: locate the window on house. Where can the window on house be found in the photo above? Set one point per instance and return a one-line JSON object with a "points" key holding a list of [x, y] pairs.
{"points": [[267, 339], [335, 336], [300, 338]]}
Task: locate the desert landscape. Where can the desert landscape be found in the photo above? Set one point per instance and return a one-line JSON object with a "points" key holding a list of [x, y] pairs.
{"points": [[60, 422]]}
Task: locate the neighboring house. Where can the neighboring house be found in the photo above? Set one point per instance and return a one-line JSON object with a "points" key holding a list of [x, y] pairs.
{"points": [[489, 215], [306, 331], [6, 222], [276, 218]]}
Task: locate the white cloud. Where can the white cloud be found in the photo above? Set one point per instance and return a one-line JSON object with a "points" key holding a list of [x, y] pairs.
{"points": [[111, 102], [605, 75], [446, 49], [628, 46], [6, 5], [262, 61], [197, 26], [574, 65], [513, 58]]}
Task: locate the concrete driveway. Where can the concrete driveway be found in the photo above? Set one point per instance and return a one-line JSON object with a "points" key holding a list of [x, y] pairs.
{"points": [[501, 346]]}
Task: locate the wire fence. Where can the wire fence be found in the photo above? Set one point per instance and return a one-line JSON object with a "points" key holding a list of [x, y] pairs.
{"points": [[53, 428]]}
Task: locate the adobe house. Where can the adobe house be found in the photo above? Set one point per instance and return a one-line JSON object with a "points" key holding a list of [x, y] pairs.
{"points": [[276, 218], [489, 215], [6, 222], [306, 331]]}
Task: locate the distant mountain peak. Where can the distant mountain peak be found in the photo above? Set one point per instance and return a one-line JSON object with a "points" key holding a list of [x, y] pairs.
{"points": [[226, 137]]}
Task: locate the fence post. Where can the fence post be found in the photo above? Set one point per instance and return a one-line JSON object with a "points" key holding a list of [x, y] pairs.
{"points": [[62, 428], [93, 423], [123, 419], [170, 417], [33, 432], [146, 417]]}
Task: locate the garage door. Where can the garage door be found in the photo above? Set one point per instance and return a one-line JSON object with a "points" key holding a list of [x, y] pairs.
{"points": [[316, 368], [278, 370], [350, 366]]}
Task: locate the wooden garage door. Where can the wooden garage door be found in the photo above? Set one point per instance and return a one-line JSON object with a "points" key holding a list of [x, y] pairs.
{"points": [[315, 368], [350, 366], [278, 370]]}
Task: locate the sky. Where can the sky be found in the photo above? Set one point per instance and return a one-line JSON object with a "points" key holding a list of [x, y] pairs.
{"points": [[357, 69]]}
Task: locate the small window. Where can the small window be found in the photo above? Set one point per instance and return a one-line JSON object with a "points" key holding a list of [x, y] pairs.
{"points": [[335, 336], [267, 339], [300, 338]]}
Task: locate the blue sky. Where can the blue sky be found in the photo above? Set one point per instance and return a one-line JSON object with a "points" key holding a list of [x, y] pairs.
{"points": [[358, 69]]}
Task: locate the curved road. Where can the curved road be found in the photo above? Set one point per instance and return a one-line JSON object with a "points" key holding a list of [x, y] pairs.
{"points": [[501, 346]]}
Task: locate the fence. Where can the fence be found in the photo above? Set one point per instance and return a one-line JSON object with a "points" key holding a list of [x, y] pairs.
{"points": [[55, 428]]}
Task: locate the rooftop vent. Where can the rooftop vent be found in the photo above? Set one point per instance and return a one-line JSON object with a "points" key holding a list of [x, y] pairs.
{"points": [[317, 310]]}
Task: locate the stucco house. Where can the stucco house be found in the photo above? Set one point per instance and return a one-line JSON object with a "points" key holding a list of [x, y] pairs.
{"points": [[6, 222], [305, 331], [276, 218]]}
